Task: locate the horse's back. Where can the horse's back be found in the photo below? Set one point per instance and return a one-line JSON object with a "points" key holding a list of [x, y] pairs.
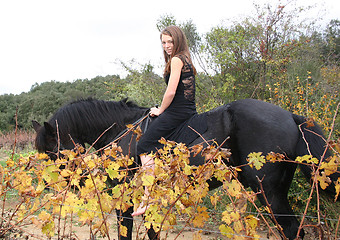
{"points": [[263, 127]]}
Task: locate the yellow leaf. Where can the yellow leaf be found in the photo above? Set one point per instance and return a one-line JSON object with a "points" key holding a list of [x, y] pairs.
{"points": [[226, 231], [200, 217], [324, 181], [48, 229], [112, 173], [41, 186], [50, 173], [197, 236], [75, 182], [196, 149], [91, 164], [330, 167], [252, 222], [233, 188], [42, 156], [273, 157], [238, 227], [215, 199], [79, 171], [148, 180], [112, 170], [230, 216], [187, 170], [123, 230], [10, 163], [307, 159], [162, 141], [256, 159], [65, 173], [35, 206], [44, 216]]}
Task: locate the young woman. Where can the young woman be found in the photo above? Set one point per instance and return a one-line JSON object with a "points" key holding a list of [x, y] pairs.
{"points": [[178, 103]]}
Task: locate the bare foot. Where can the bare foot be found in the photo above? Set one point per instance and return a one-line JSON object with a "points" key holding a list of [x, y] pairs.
{"points": [[140, 210]]}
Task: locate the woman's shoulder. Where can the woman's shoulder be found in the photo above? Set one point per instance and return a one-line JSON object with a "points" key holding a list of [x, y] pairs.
{"points": [[187, 65], [182, 57], [176, 61]]}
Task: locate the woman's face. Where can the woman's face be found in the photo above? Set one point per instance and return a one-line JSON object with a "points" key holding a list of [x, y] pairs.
{"points": [[167, 43]]}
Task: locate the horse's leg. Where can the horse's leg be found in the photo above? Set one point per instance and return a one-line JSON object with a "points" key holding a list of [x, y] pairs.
{"points": [[275, 185], [153, 235], [125, 219]]}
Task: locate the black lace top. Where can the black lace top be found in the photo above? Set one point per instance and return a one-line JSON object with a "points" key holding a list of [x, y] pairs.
{"points": [[181, 109], [185, 92]]}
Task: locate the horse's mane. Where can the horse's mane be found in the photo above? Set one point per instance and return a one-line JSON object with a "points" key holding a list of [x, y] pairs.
{"points": [[89, 112]]}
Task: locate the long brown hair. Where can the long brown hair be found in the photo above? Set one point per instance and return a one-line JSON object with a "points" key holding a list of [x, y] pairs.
{"points": [[180, 46]]}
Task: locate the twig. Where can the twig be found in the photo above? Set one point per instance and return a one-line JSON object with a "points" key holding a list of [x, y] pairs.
{"points": [[15, 134], [97, 192], [58, 137], [99, 137], [200, 135], [315, 182], [308, 201], [304, 139], [270, 209], [190, 183], [128, 130], [333, 122], [337, 228], [14, 226], [318, 228]]}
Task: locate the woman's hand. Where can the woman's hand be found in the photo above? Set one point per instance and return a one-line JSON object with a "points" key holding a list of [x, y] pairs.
{"points": [[155, 112]]}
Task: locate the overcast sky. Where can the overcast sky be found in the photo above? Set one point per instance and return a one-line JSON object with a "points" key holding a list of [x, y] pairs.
{"points": [[65, 40]]}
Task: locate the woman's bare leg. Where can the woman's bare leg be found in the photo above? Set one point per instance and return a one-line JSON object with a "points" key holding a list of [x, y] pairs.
{"points": [[147, 163]]}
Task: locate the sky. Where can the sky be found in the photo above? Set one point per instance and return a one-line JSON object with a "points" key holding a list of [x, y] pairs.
{"points": [[66, 40]]}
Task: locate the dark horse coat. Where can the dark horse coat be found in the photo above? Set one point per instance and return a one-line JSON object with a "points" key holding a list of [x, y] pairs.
{"points": [[252, 125]]}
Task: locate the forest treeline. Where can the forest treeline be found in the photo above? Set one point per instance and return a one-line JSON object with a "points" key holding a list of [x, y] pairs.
{"points": [[273, 55]]}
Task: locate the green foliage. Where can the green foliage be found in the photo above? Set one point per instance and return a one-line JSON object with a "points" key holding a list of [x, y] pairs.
{"points": [[141, 84], [331, 47], [165, 21], [45, 98], [8, 104], [255, 51]]}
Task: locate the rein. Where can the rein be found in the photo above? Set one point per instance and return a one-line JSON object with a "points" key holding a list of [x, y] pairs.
{"points": [[134, 125], [126, 131]]}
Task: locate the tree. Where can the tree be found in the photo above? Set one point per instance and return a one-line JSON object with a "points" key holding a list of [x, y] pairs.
{"points": [[331, 49], [141, 85], [255, 52]]}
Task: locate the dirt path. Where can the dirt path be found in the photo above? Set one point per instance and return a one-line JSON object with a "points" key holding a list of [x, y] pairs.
{"points": [[31, 232], [83, 233]]}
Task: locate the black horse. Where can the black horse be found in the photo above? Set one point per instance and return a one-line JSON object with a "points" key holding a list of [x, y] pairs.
{"points": [[252, 125]]}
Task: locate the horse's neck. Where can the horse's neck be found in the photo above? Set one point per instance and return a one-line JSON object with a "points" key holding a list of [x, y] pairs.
{"points": [[133, 116]]}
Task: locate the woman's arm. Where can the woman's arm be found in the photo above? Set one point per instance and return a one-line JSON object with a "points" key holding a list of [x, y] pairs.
{"points": [[175, 74]]}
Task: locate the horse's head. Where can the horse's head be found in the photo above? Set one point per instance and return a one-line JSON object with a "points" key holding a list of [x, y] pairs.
{"points": [[46, 140]]}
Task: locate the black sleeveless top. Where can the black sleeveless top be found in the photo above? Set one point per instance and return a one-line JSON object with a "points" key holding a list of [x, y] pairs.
{"points": [[182, 108], [185, 92]]}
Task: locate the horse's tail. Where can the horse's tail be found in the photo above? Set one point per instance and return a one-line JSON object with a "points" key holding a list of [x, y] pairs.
{"points": [[312, 142]]}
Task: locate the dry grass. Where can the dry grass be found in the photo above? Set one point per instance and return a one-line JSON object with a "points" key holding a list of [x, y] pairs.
{"points": [[20, 140]]}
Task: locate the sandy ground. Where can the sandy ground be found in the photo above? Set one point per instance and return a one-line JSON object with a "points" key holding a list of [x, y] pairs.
{"points": [[83, 233], [32, 232]]}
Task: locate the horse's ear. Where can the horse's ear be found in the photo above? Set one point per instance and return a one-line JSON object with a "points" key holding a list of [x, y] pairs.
{"points": [[36, 125], [49, 129]]}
